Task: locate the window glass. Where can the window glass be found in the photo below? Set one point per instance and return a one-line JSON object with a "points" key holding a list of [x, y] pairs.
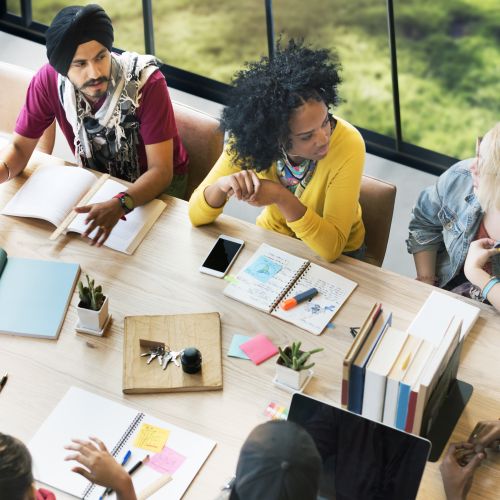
{"points": [[448, 64], [14, 7], [357, 30], [125, 14], [212, 39]]}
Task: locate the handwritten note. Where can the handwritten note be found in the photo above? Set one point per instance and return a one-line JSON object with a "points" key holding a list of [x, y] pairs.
{"points": [[151, 438], [166, 462]]}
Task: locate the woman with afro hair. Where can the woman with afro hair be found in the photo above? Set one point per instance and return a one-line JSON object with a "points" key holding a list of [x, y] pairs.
{"points": [[288, 154]]}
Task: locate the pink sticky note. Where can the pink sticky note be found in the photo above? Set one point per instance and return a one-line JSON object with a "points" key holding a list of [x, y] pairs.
{"points": [[259, 349], [167, 461]]}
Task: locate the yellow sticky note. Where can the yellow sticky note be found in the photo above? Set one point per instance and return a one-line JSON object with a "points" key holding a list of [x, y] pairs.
{"points": [[151, 438]]}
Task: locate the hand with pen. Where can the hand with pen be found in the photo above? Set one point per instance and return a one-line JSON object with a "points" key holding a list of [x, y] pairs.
{"points": [[100, 467]]}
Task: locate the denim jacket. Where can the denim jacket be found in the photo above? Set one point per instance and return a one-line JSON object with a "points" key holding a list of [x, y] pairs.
{"points": [[446, 218]]}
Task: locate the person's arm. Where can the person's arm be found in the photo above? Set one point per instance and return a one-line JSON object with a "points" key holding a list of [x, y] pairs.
{"points": [[457, 478], [425, 264], [480, 251], [100, 467], [150, 184], [15, 156], [208, 199]]}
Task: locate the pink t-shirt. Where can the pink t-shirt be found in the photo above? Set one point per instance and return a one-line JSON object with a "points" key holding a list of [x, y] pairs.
{"points": [[155, 115]]}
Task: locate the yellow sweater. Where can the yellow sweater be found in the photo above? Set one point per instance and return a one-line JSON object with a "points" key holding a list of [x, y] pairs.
{"points": [[332, 223]]}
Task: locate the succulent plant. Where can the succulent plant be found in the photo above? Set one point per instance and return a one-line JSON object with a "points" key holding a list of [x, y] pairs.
{"points": [[292, 357], [91, 296]]}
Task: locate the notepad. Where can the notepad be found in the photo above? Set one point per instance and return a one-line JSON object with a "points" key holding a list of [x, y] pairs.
{"points": [[273, 275], [83, 414], [34, 295]]}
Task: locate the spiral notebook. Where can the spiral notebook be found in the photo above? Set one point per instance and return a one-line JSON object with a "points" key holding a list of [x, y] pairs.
{"points": [[273, 275], [81, 414]]}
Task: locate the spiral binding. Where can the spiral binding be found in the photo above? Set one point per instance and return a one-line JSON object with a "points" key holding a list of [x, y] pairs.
{"points": [[118, 447], [290, 285]]}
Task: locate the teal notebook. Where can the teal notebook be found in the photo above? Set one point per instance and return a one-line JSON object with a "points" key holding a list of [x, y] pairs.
{"points": [[34, 295]]}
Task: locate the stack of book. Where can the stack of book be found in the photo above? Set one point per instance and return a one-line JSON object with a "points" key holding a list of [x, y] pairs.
{"points": [[390, 375]]}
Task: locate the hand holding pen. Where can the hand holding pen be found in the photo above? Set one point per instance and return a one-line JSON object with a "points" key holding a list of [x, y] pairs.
{"points": [[100, 467]]}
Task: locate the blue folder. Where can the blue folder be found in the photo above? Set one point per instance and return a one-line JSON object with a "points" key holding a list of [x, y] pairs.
{"points": [[34, 295]]}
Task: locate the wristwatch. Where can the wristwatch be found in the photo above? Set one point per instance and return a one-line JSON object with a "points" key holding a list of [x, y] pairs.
{"points": [[126, 201]]}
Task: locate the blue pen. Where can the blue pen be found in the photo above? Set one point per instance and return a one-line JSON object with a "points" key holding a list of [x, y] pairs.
{"points": [[126, 458]]}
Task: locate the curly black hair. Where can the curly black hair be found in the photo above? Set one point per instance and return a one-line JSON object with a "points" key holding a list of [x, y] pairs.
{"points": [[15, 468], [266, 93]]}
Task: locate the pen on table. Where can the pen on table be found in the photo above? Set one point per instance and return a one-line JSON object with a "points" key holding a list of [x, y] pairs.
{"points": [[108, 491], [3, 381], [297, 299]]}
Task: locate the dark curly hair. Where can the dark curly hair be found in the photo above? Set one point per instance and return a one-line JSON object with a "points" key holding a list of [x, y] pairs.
{"points": [[266, 93], [15, 468]]}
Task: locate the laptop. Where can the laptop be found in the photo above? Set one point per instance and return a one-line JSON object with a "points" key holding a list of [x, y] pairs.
{"points": [[362, 459]]}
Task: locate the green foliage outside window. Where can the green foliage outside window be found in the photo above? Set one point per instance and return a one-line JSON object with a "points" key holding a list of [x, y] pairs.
{"points": [[448, 54]]}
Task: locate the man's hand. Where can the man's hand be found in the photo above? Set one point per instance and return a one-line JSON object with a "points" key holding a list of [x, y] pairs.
{"points": [[486, 434], [101, 216], [100, 467], [457, 478]]}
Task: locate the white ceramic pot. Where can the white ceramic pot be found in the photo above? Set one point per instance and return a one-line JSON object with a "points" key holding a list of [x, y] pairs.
{"points": [[93, 320], [289, 377]]}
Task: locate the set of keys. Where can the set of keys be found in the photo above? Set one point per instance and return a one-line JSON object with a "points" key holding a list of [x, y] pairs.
{"points": [[164, 356]]}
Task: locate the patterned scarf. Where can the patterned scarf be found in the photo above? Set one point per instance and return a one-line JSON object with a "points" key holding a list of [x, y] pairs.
{"points": [[295, 177], [107, 140]]}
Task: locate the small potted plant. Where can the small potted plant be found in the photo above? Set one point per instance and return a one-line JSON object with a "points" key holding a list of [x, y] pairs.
{"points": [[292, 366], [93, 307]]}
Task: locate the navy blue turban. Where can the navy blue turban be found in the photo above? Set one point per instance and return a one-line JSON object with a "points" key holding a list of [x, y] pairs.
{"points": [[73, 26]]}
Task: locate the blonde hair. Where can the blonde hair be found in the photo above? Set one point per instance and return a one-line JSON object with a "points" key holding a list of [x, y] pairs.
{"points": [[488, 191]]}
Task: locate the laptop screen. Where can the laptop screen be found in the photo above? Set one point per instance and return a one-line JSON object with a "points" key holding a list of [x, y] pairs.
{"points": [[362, 459]]}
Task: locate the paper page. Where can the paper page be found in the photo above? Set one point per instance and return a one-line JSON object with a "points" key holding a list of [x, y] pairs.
{"points": [[79, 414], [124, 233], [264, 277], [433, 319], [50, 193], [315, 314]]}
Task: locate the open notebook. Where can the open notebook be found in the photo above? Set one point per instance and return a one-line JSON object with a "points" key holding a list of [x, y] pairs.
{"points": [[273, 275], [82, 414], [52, 191]]}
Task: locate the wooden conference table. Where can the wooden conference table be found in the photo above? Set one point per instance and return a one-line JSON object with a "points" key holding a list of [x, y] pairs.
{"points": [[162, 277]]}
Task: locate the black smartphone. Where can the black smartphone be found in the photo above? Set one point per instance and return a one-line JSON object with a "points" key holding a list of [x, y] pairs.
{"points": [[222, 256]]}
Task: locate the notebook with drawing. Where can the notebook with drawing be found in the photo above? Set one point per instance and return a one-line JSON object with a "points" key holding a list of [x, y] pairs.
{"points": [[82, 414], [272, 275]]}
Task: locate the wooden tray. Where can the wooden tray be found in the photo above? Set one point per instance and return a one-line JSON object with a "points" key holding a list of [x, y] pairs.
{"points": [[177, 331]]}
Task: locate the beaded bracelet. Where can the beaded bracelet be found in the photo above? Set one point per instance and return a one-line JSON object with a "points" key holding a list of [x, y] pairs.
{"points": [[7, 168], [491, 283]]}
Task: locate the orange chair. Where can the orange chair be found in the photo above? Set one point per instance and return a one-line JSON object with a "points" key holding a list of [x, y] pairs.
{"points": [[14, 81], [203, 140], [377, 200]]}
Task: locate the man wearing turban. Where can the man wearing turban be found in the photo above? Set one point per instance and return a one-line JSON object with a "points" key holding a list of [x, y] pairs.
{"points": [[114, 110]]}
